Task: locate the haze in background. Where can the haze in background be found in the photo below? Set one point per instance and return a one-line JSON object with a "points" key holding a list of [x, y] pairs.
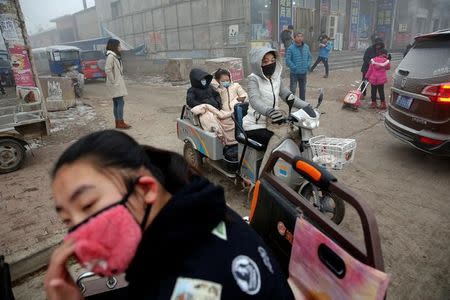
{"points": [[38, 13]]}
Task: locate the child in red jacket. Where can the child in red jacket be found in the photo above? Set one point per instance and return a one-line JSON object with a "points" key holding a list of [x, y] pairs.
{"points": [[377, 76]]}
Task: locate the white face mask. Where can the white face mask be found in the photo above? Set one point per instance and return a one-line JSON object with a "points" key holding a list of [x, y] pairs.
{"points": [[203, 82]]}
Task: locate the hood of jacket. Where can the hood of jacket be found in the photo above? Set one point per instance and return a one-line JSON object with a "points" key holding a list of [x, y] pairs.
{"points": [[182, 225], [113, 53], [196, 75], [380, 61], [256, 57]]}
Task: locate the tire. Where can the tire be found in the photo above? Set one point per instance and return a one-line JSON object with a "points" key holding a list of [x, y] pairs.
{"points": [[12, 155], [192, 156], [338, 211]]}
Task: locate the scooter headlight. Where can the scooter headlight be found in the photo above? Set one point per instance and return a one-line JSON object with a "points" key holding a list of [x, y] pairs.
{"points": [[310, 124]]}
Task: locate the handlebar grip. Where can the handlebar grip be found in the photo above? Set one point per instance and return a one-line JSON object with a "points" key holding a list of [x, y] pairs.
{"points": [[314, 173]]}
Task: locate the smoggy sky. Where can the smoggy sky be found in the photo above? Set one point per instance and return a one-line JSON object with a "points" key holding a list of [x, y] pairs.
{"points": [[38, 13]]}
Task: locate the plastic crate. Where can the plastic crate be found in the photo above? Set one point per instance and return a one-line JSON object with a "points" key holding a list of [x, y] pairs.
{"points": [[335, 152]]}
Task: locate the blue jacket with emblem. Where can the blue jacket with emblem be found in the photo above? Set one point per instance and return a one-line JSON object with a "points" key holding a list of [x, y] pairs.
{"points": [[298, 58], [196, 246]]}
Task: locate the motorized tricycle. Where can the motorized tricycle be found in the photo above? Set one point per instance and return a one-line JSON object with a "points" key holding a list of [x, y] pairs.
{"points": [[201, 146]]}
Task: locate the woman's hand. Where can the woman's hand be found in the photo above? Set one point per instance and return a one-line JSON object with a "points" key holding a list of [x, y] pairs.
{"points": [[58, 283]]}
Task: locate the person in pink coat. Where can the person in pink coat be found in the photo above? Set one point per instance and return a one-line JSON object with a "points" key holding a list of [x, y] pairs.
{"points": [[377, 77]]}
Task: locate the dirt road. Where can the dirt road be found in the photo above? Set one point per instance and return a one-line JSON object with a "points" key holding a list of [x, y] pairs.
{"points": [[408, 190]]}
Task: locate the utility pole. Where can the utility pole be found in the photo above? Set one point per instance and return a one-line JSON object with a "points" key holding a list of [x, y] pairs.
{"points": [[317, 28], [84, 4]]}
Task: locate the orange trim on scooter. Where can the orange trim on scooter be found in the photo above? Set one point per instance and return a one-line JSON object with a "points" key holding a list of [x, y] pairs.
{"points": [[308, 169], [254, 199]]}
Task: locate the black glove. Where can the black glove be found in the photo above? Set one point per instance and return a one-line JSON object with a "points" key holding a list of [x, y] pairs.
{"points": [[389, 56], [276, 116]]}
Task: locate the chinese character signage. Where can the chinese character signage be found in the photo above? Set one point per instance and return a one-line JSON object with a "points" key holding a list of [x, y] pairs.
{"points": [[285, 14], [384, 18], [354, 24]]}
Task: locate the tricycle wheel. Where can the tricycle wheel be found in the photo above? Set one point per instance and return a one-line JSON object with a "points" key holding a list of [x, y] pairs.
{"points": [[192, 156], [12, 155], [329, 204]]}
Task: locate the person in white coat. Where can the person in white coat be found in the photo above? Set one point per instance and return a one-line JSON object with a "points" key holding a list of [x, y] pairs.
{"points": [[115, 82], [265, 90]]}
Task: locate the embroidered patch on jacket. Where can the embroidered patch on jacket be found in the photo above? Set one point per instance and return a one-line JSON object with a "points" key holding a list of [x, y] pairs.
{"points": [[246, 273], [265, 258], [196, 289], [220, 231]]}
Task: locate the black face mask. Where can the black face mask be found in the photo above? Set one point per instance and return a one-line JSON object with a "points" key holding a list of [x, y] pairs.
{"points": [[268, 70]]}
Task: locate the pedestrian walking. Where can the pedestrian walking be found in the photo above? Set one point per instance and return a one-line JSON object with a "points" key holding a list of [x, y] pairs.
{"points": [[370, 53], [324, 53], [298, 59], [377, 76], [115, 82], [286, 36]]}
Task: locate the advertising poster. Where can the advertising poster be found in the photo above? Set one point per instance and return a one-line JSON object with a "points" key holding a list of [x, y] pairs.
{"points": [[21, 67], [354, 24], [285, 14], [384, 18]]}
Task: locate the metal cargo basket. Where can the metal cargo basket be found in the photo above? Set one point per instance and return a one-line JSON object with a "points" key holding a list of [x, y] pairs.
{"points": [[335, 152]]}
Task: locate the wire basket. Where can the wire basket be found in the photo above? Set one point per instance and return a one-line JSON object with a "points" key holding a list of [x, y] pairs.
{"points": [[334, 152]]}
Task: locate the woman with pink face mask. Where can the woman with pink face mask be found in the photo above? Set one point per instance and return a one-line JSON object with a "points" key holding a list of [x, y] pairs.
{"points": [[144, 211]]}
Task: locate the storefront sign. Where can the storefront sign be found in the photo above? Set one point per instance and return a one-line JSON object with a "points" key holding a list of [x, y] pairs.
{"points": [[384, 18], [285, 14], [325, 6], [354, 24], [21, 67]]}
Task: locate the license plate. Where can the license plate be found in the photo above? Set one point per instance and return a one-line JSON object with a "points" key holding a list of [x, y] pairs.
{"points": [[404, 102], [93, 67], [98, 75]]}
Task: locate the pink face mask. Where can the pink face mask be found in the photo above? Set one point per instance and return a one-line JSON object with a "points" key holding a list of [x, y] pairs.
{"points": [[106, 242]]}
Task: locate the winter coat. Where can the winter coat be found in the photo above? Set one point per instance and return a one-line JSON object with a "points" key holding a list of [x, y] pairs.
{"points": [[286, 38], [114, 75], [218, 121], [198, 94], [370, 53], [377, 73], [229, 95], [298, 58], [325, 51], [264, 93], [198, 248]]}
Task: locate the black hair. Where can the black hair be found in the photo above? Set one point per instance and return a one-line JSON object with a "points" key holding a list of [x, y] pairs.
{"points": [[221, 72], [111, 149], [297, 33], [113, 45]]}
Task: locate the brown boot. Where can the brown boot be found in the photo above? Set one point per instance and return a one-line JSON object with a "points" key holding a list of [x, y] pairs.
{"points": [[122, 125]]}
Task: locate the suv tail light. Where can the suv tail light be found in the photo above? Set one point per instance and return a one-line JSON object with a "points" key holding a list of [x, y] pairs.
{"points": [[439, 93], [430, 141]]}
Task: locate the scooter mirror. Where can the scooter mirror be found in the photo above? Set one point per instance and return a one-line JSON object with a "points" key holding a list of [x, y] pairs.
{"points": [[319, 102], [290, 105]]}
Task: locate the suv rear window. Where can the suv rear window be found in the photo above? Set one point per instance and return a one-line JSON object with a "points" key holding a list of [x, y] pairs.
{"points": [[428, 58]]}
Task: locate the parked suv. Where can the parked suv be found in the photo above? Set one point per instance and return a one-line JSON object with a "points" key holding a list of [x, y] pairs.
{"points": [[419, 108]]}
